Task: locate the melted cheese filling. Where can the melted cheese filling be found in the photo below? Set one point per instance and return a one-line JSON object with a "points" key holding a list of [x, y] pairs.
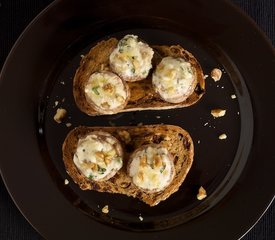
{"points": [[151, 168], [174, 79], [106, 90], [131, 58], [97, 157]]}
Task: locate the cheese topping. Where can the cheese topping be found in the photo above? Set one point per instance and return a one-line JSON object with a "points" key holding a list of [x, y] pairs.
{"points": [[98, 156], [174, 79], [106, 90], [131, 59], [151, 168]]}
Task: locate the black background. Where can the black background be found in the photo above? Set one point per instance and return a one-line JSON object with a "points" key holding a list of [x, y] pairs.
{"points": [[15, 15]]}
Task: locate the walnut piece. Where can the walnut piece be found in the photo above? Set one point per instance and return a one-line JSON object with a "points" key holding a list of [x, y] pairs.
{"points": [[222, 136], [105, 209], [218, 112], [201, 193], [125, 136], [60, 114], [66, 181], [216, 74]]}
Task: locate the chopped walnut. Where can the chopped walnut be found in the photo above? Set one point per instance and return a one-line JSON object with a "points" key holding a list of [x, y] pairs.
{"points": [[222, 136], [157, 162], [60, 114], [105, 209], [68, 125], [201, 193], [218, 112], [125, 136], [216, 74]]}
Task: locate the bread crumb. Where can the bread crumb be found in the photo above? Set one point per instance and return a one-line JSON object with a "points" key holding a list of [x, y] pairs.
{"points": [[56, 103], [218, 112], [201, 193], [233, 96], [222, 136], [216, 74], [205, 76], [82, 56], [140, 124], [68, 125], [62, 82], [205, 124], [140, 218], [105, 209], [60, 114], [66, 181], [158, 117], [199, 141], [238, 113]]}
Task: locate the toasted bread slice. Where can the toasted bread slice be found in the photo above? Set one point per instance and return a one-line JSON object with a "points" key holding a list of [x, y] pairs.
{"points": [[142, 94], [177, 141]]}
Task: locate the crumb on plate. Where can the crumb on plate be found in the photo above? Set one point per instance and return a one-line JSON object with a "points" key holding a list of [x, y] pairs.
{"points": [[218, 112], [216, 74], [201, 193], [66, 181], [222, 136], [59, 115], [105, 209]]}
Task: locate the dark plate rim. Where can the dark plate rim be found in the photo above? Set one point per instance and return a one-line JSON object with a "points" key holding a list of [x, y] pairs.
{"points": [[268, 200]]}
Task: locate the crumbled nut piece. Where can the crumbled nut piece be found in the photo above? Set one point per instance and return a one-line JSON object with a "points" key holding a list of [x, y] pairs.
{"points": [[60, 114], [55, 103], [216, 74], [125, 136], [222, 136], [218, 112], [233, 96], [105, 209], [66, 182], [68, 124], [205, 76], [201, 193], [140, 218]]}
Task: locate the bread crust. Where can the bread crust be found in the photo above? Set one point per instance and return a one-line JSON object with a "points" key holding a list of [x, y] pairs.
{"points": [[142, 94], [177, 141]]}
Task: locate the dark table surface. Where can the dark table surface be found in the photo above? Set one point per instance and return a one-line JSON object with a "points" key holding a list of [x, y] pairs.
{"points": [[15, 15]]}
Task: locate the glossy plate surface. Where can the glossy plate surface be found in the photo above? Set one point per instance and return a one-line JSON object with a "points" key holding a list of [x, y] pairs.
{"points": [[37, 79]]}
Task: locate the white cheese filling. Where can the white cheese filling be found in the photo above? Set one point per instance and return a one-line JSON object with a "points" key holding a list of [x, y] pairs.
{"points": [[96, 157], [151, 168], [106, 90], [131, 58], [174, 79]]}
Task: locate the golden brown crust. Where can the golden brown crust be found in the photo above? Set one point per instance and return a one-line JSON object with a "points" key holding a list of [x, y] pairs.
{"points": [[142, 94], [175, 139]]}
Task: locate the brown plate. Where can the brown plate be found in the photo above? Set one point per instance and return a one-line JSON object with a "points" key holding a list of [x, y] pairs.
{"points": [[39, 72]]}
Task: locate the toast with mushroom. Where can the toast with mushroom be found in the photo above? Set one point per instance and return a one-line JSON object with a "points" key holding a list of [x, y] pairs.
{"points": [[144, 81], [149, 162]]}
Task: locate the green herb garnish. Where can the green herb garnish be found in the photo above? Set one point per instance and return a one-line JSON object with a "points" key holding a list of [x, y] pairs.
{"points": [[101, 170], [95, 90], [91, 177], [162, 169]]}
